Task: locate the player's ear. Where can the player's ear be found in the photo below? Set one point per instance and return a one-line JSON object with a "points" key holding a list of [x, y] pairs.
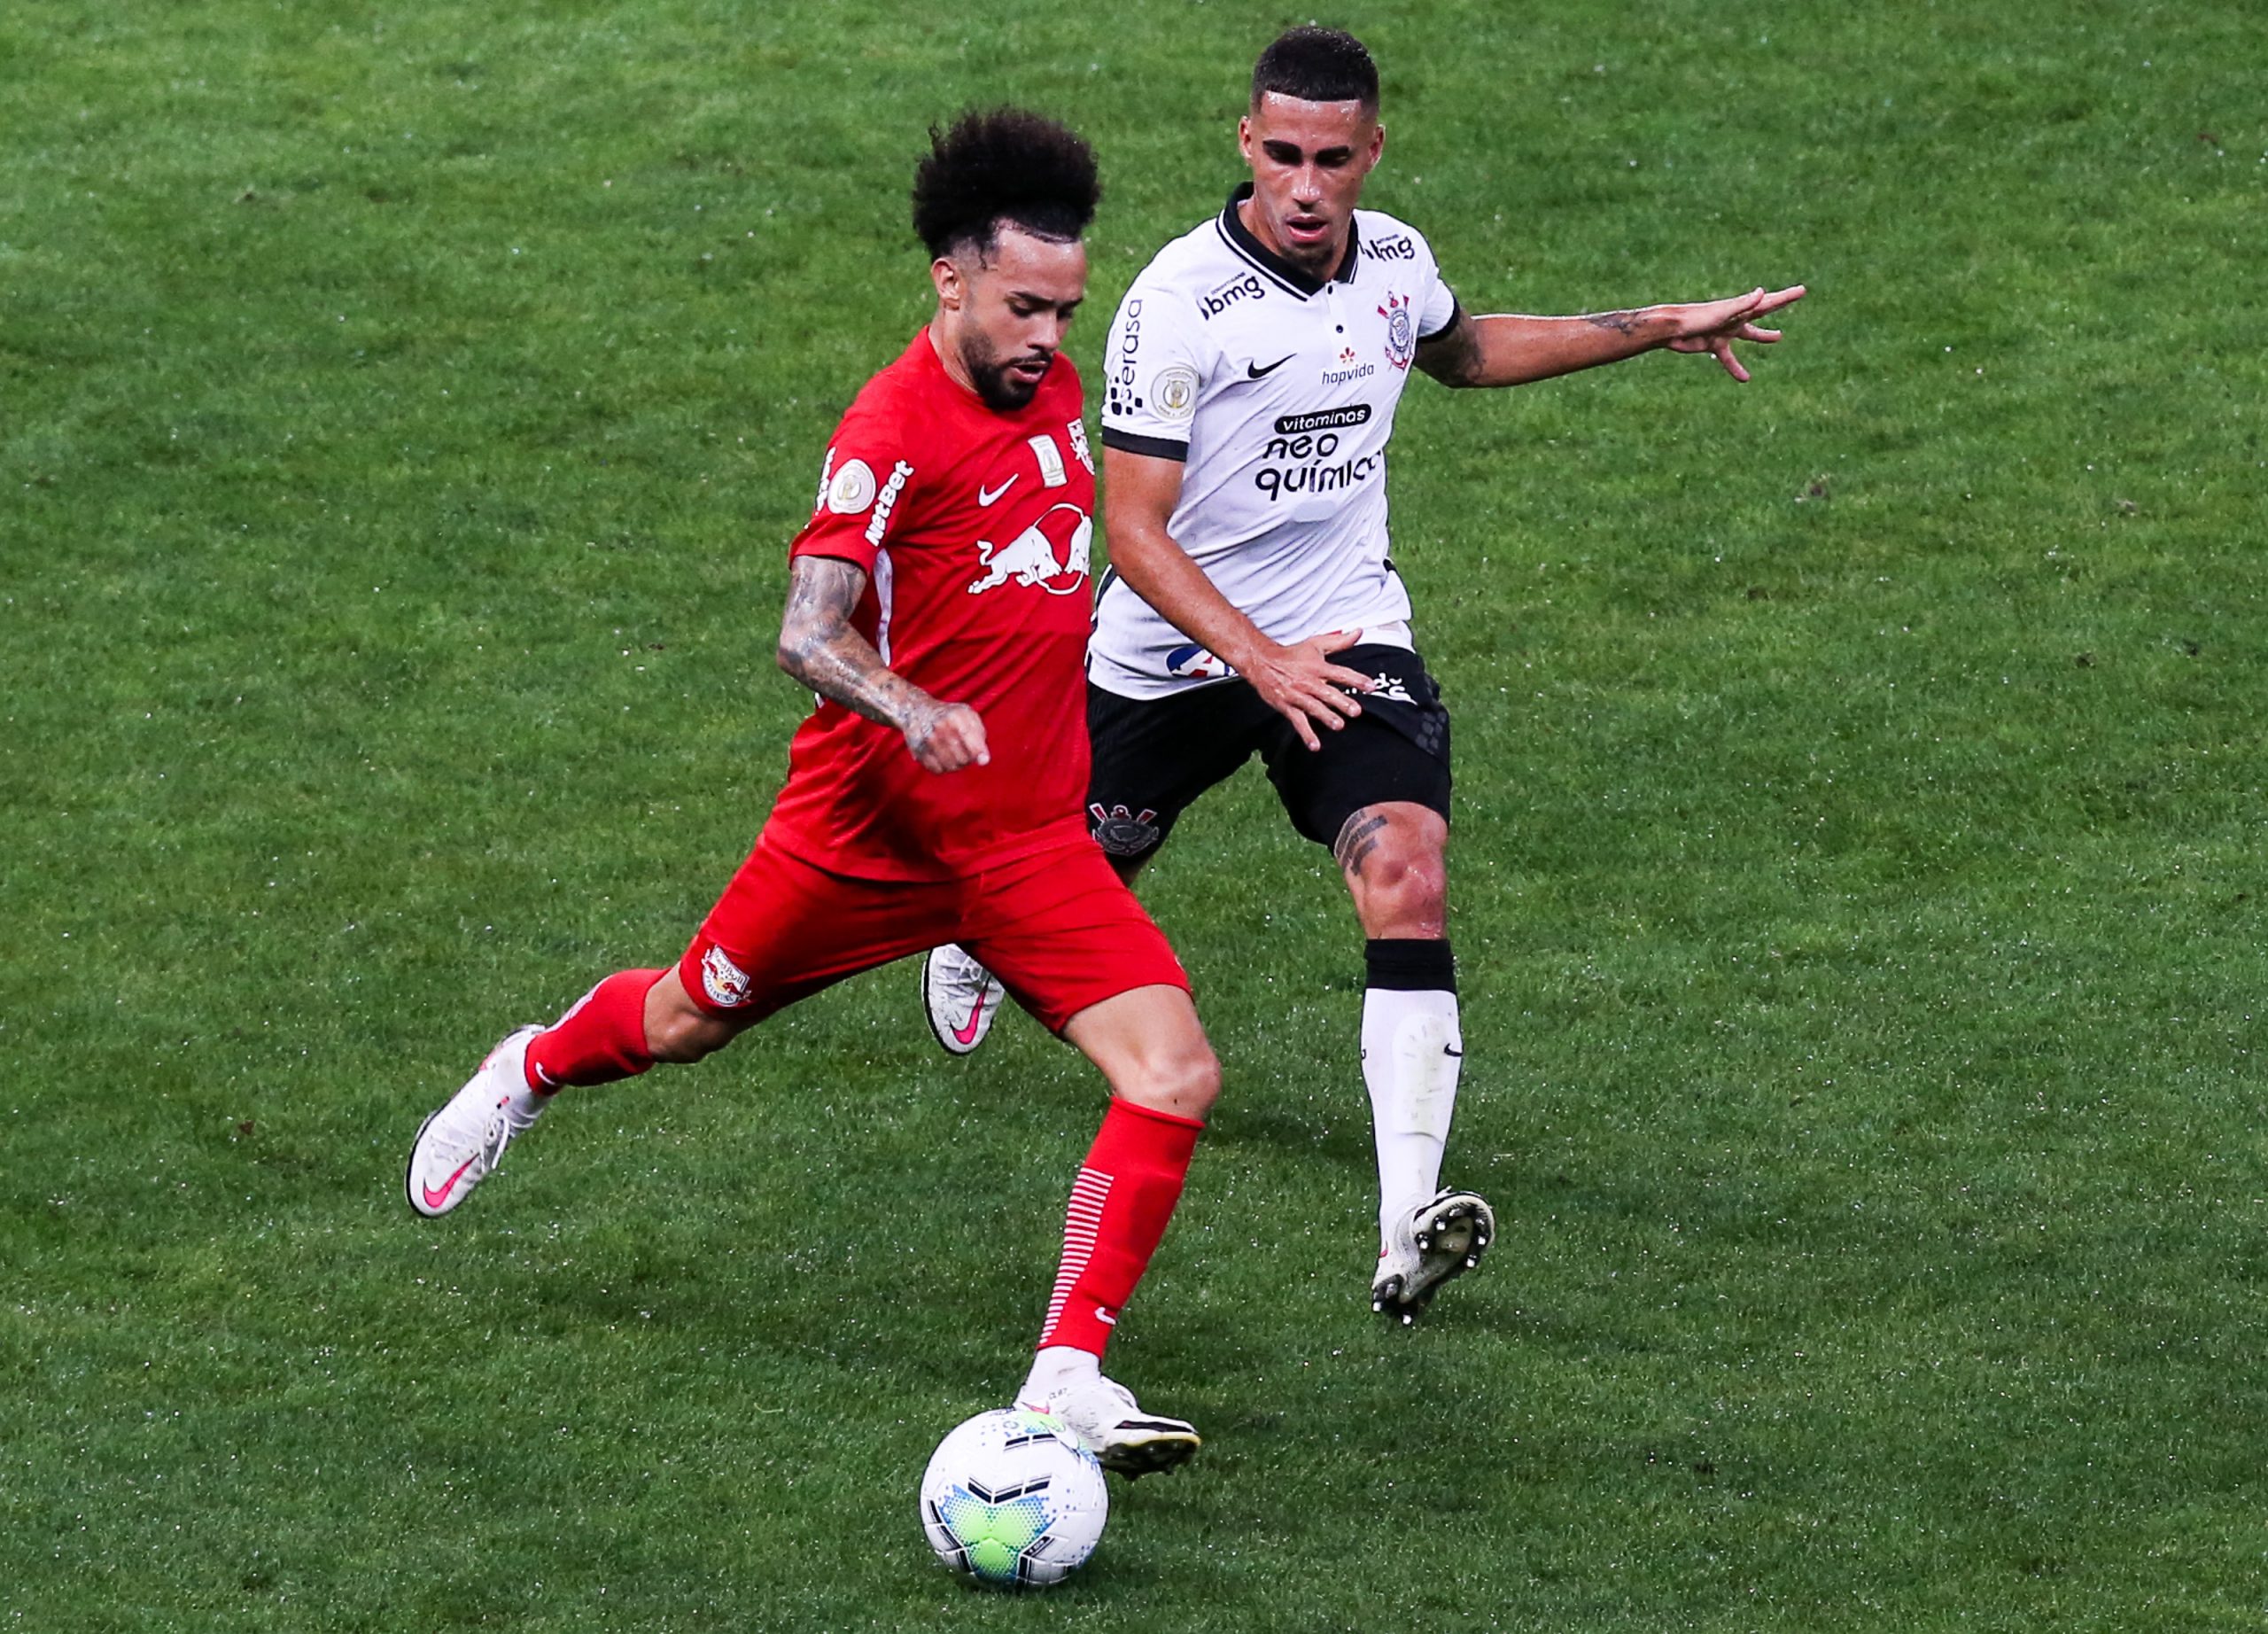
{"points": [[945, 272]]}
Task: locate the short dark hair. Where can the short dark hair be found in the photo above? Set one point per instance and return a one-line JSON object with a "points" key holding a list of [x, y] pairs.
{"points": [[1003, 165], [1309, 64]]}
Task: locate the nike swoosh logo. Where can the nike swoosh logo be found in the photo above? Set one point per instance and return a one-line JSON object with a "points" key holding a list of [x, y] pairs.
{"points": [[435, 1199], [967, 1034], [985, 496], [1253, 371]]}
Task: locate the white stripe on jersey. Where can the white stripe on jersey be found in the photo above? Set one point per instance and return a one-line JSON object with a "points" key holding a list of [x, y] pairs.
{"points": [[1278, 392]]}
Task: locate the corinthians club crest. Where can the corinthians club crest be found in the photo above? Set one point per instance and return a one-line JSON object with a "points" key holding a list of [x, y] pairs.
{"points": [[1401, 330]]}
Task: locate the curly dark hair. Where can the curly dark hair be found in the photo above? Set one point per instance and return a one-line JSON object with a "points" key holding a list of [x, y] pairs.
{"points": [[1317, 64], [1003, 165]]}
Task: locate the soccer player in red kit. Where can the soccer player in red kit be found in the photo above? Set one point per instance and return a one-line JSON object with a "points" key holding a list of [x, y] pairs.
{"points": [[938, 604]]}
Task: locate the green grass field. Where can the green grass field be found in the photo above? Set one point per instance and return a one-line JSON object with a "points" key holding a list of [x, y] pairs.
{"points": [[402, 414]]}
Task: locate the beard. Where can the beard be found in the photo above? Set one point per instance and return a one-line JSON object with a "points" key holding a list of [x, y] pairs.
{"points": [[999, 389]]}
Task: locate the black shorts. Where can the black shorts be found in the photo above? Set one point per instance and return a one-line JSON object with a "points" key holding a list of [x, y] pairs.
{"points": [[1154, 757]]}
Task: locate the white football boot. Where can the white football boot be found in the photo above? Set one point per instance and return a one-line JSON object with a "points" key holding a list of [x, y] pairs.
{"points": [[961, 997], [460, 1145], [1428, 1246], [1110, 1424]]}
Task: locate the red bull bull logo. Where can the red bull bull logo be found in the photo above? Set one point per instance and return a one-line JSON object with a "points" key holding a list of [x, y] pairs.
{"points": [[1051, 553]]}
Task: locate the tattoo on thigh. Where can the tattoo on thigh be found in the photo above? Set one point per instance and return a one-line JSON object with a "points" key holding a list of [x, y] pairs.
{"points": [[1357, 839]]}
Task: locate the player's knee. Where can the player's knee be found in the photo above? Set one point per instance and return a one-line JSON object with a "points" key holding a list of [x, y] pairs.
{"points": [[1185, 1080], [1404, 886], [1200, 1085]]}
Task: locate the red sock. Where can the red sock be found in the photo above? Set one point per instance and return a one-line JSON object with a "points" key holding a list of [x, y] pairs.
{"points": [[1120, 1204], [600, 1039]]}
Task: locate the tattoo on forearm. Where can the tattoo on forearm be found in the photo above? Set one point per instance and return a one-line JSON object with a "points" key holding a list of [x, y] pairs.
{"points": [[1453, 357], [1357, 839], [819, 648], [1620, 322]]}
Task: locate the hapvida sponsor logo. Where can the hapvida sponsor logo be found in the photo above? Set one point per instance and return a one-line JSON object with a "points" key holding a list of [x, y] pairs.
{"points": [[1348, 369], [1034, 557]]}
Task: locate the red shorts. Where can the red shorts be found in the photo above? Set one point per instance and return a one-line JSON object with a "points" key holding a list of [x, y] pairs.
{"points": [[1060, 929]]}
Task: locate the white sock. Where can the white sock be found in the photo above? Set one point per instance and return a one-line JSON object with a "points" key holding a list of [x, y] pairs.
{"points": [[1053, 1367], [521, 1103], [1411, 1054]]}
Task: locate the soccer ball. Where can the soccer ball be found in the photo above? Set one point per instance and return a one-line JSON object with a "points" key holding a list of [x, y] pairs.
{"points": [[1012, 1500]]}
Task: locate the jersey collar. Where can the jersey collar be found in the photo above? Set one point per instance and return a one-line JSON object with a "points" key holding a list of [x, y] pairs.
{"points": [[1295, 279]]}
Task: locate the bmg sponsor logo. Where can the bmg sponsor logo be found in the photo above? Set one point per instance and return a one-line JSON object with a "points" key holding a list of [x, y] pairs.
{"points": [[1218, 300], [1393, 247]]}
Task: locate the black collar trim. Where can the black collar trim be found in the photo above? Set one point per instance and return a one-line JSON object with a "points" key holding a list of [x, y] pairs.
{"points": [[1297, 280]]}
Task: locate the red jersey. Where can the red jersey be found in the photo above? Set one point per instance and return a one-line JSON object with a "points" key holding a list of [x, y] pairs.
{"points": [[973, 528]]}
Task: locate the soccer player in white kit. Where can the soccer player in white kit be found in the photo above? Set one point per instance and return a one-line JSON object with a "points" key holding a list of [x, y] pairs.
{"points": [[1252, 607]]}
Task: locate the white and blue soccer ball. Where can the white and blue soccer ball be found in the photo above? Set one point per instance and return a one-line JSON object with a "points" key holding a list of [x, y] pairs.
{"points": [[1012, 1500]]}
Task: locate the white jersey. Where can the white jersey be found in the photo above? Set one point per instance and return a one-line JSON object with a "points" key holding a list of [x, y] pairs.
{"points": [[1277, 390]]}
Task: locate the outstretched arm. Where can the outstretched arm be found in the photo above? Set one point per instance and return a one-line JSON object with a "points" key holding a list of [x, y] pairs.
{"points": [[1507, 349], [819, 648]]}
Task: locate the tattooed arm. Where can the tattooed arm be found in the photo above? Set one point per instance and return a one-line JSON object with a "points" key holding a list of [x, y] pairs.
{"points": [[819, 648], [1508, 349]]}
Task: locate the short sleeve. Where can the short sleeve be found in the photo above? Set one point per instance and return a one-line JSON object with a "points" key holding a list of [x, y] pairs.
{"points": [[1151, 373], [861, 487], [1440, 312]]}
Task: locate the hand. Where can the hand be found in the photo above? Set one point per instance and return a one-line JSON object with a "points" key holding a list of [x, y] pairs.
{"points": [[1301, 683], [1711, 326], [947, 737]]}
